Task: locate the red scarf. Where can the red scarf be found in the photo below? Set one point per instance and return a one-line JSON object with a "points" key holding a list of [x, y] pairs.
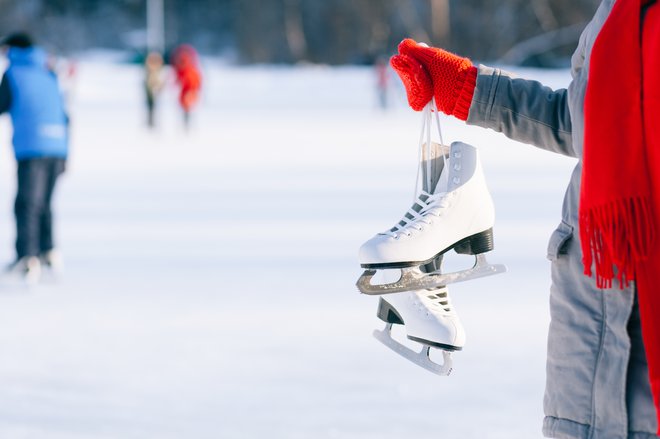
{"points": [[620, 192]]}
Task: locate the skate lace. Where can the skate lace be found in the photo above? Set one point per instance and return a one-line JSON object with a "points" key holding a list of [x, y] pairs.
{"points": [[436, 300], [430, 204], [432, 302]]}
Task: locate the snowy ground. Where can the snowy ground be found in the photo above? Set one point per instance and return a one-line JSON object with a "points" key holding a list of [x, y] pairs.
{"points": [[209, 286]]}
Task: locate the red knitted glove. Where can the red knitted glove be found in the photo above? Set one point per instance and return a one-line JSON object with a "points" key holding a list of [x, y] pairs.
{"points": [[454, 78], [416, 80]]}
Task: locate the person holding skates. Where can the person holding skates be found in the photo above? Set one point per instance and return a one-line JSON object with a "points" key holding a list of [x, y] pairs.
{"points": [[603, 358]]}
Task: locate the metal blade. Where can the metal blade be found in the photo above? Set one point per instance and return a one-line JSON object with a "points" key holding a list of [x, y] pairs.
{"points": [[414, 279], [420, 358]]}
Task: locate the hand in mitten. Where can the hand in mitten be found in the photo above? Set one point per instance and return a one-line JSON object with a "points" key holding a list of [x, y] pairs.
{"points": [[416, 80], [454, 78]]}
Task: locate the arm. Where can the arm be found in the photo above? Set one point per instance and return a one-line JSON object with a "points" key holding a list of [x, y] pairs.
{"points": [[5, 95], [523, 110]]}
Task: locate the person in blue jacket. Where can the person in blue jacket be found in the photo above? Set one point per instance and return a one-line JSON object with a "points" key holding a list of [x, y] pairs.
{"points": [[30, 93]]}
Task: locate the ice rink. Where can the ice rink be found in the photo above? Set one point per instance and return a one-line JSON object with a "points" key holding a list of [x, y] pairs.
{"points": [[209, 288]]}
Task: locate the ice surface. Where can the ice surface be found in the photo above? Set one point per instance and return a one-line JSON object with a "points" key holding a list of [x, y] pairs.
{"points": [[209, 285]]}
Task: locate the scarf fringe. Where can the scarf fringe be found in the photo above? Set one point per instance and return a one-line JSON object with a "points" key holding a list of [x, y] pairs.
{"points": [[615, 237]]}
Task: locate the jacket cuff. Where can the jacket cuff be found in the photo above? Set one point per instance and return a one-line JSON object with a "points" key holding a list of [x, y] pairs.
{"points": [[465, 94]]}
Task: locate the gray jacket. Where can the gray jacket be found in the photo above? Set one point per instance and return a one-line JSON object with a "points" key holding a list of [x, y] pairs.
{"points": [[597, 379]]}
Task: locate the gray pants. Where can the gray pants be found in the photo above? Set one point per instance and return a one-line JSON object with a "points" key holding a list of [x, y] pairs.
{"points": [[597, 374], [34, 218]]}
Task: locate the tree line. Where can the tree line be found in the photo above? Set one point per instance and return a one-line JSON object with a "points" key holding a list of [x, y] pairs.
{"points": [[535, 32]]}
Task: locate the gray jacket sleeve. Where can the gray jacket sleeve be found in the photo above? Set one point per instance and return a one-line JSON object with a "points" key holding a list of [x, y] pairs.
{"points": [[523, 110]]}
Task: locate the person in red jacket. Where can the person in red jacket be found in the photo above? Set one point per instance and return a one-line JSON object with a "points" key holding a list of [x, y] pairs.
{"points": [[186, 67]]}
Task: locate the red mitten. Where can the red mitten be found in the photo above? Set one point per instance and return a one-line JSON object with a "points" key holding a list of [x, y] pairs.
{"points": [[453, 77], [416, 80]]}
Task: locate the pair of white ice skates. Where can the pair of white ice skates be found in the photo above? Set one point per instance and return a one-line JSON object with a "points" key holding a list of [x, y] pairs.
{"points": [[454, 210]]}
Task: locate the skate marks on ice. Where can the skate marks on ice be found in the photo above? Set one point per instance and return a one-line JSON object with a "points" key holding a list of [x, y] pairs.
{"points": [[414, 278]]}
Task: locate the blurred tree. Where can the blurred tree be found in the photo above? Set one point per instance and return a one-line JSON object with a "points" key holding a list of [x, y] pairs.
{"points": [[440, 22], [293, 26]]}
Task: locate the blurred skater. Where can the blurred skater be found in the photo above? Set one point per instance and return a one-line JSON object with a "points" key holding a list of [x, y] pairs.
{"points": [[381, 68], [186, 66], [29, 91], [153, 84], [66, 70]]}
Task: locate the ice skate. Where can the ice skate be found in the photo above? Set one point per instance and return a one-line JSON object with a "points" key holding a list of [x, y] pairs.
{"points": [[52, 260], [454, 210], [52, 265], [430, 321], [26, 269]]}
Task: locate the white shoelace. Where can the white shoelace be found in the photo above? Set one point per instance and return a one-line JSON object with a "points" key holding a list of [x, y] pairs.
{"points": [[431, 205]]}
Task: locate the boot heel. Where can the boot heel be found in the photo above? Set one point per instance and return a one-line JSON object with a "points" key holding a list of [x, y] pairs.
{"points": [[481, 242], [387, 313]]}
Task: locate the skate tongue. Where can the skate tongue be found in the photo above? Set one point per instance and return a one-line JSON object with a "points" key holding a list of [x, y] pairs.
{"points": [[433, 167], [443, 170], [434, 177], [442, 185]]}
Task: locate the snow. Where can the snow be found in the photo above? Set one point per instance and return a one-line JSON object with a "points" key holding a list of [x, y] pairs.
{"points": [[209, 284]]}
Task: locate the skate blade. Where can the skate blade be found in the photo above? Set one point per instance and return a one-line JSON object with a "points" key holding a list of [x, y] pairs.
{"points": [[413, 278], [420, 358]]}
